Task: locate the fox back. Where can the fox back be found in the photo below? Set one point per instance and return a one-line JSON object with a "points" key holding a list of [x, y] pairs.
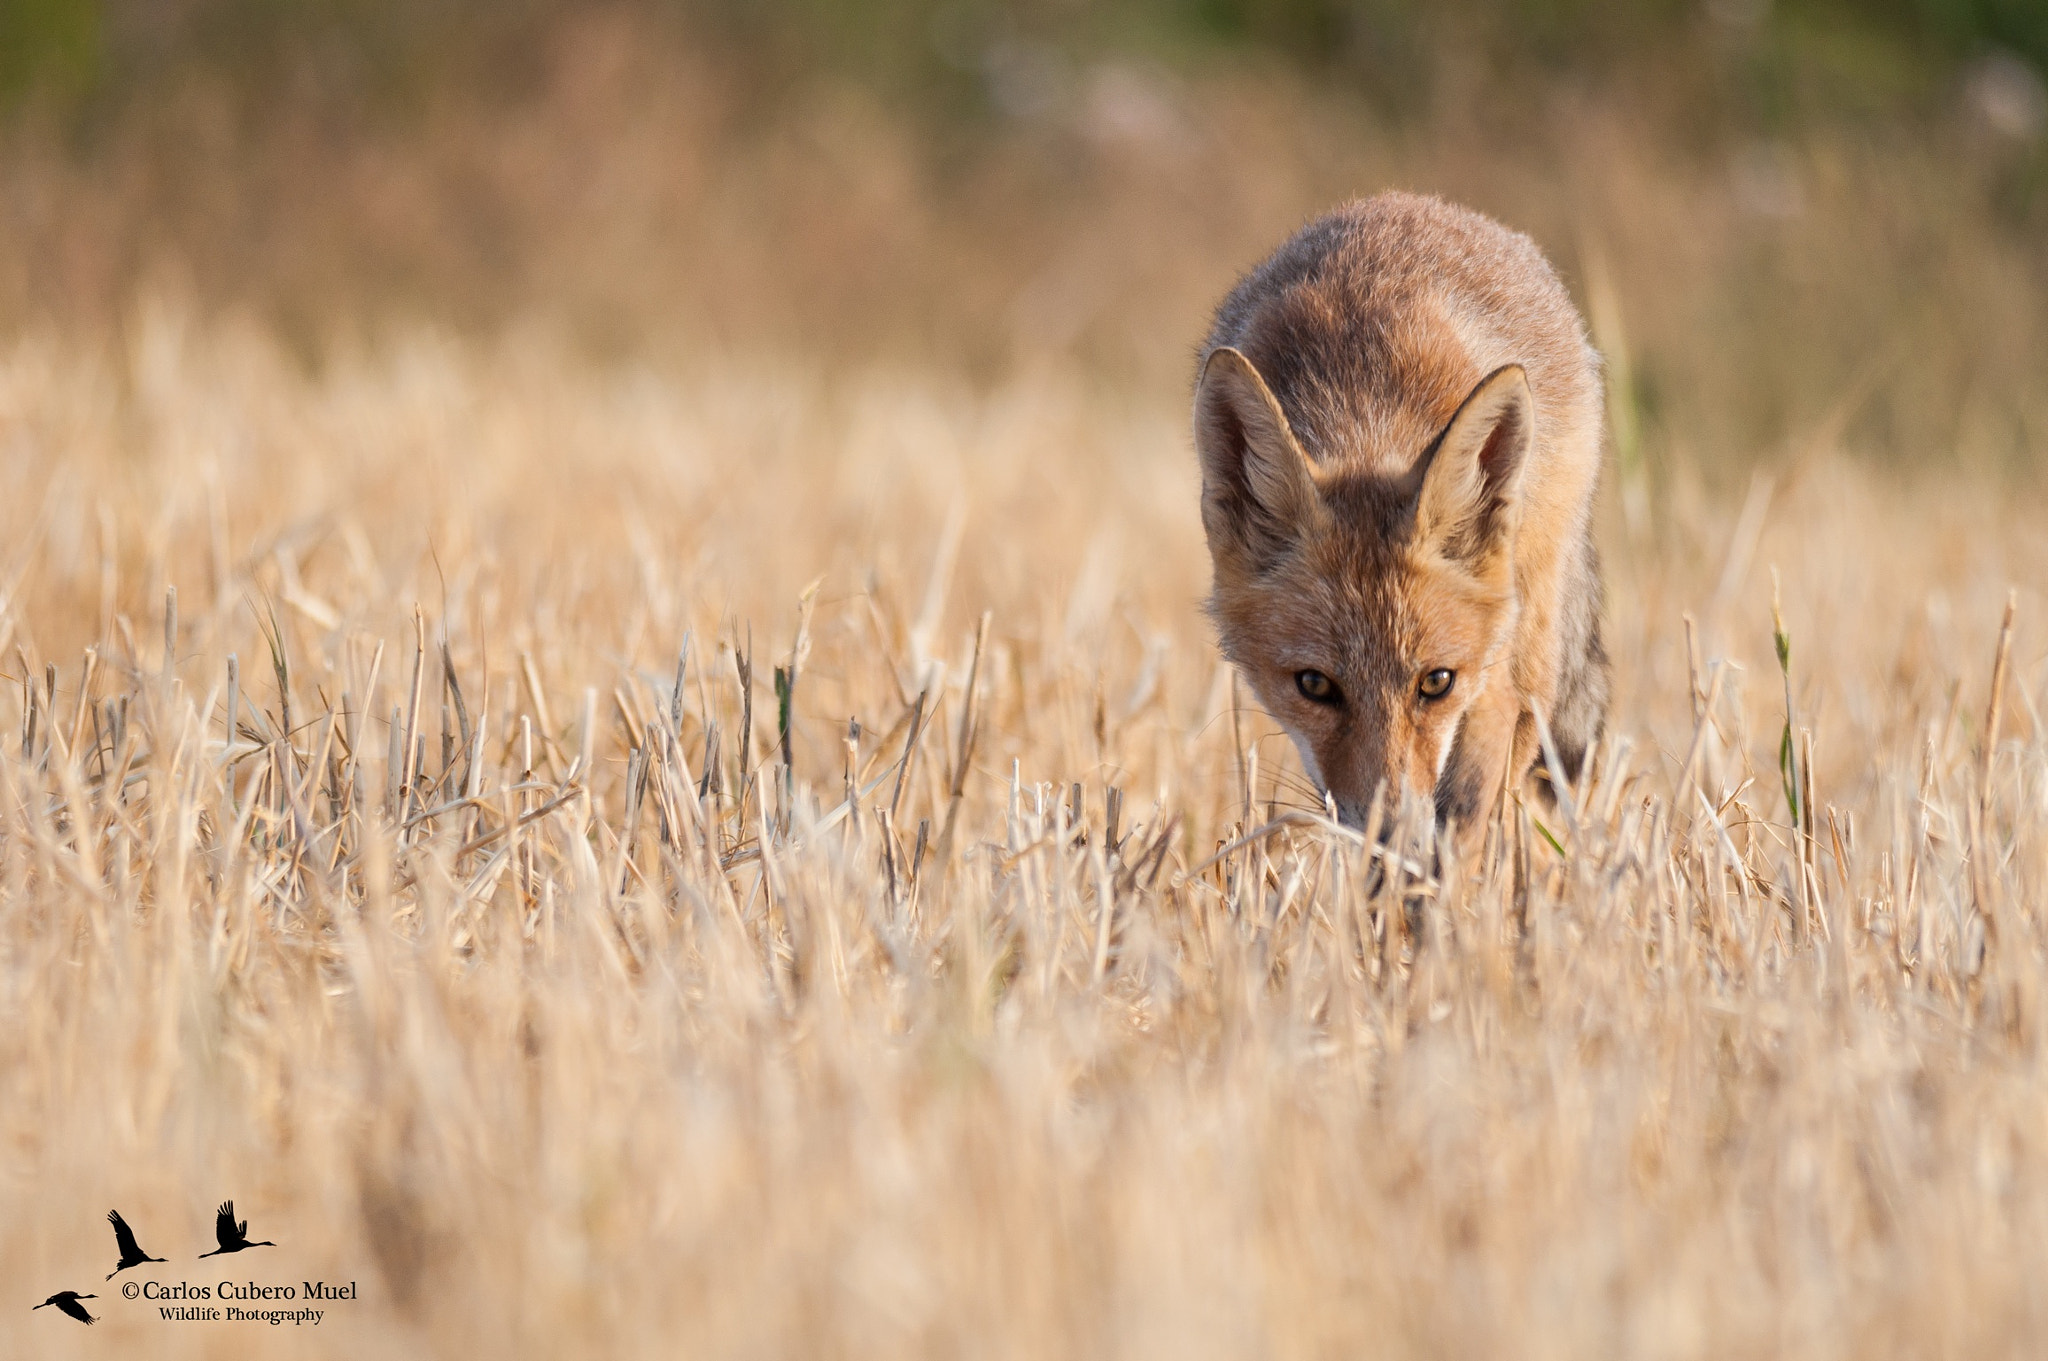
{"points": [[1399, 422]]}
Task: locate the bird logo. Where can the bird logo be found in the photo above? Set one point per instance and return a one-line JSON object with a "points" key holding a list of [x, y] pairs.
{"points": [[233, 1237], [67, 1301], [131, 1251]]}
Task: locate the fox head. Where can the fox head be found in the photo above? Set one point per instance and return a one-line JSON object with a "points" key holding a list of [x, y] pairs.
{"points": [[1368, 613]]}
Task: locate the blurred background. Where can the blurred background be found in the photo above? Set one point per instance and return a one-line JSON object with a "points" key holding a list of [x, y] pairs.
{"points": [[848, 337], [1788, 220]]}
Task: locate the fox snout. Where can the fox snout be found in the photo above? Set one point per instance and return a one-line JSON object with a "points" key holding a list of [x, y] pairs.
{"points": [[1405, 809], [1399, 806]]}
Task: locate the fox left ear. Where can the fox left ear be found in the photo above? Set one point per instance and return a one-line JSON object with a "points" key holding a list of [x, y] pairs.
{"points": [[1472, 483]]}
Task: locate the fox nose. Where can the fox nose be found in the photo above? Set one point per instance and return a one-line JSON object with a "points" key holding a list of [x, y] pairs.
{"points": [[1396, 810], [1355, 813]]}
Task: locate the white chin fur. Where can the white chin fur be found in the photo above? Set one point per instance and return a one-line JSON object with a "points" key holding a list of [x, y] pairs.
{"points": [[1443, 751], [1308, 761]]}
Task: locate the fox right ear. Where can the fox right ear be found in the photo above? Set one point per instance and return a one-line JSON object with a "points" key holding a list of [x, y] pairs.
{"points": [[1471, 483], [1258, 491]]}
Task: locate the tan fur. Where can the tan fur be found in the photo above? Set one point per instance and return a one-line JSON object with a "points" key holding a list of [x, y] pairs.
{"points": [[1398, 417]]}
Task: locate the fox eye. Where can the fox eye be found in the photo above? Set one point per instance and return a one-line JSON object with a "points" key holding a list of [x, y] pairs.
{"points": [[1316, 686], [1436, 684]]}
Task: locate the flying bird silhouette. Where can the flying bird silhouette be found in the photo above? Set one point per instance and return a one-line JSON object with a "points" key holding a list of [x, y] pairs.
{"points": [[131, 1251], [68, 1301], [233, 1237]]}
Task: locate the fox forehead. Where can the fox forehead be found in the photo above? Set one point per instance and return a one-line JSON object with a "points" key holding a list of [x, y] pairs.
{"points": [[1371, 420], [1353, 599]]}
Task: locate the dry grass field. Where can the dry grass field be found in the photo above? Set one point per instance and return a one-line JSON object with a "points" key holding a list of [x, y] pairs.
{"points": [[746, 849]]}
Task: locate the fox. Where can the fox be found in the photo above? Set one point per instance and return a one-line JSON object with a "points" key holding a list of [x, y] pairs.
{"points": [[1398, 417]]}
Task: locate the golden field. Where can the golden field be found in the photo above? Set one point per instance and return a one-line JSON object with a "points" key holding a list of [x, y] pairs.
{"points": [[403, 835]]}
